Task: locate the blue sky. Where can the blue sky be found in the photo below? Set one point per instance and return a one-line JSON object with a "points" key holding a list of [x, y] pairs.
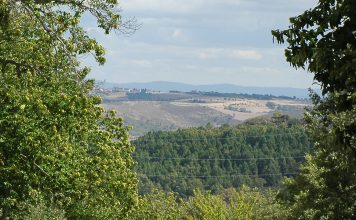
{"points": [[202, 42]]}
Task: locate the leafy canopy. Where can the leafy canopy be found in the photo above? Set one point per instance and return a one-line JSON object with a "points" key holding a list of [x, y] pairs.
{"points": [[323, 40], [57, 145]]}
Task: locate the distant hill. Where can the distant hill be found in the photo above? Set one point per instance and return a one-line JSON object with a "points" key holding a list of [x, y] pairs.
{"points": [[223, 88], [154, 116]]}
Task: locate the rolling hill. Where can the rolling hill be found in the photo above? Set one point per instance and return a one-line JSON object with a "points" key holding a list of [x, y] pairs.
{"points": [[223, 88]]}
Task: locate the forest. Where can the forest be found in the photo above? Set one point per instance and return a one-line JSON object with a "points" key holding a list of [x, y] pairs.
{"points": [[257, 154], [147, 96], [62, 156]]}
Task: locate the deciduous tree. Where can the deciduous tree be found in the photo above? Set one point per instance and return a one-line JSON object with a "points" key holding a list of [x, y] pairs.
{"points": [[323, 41], [58, 147]]}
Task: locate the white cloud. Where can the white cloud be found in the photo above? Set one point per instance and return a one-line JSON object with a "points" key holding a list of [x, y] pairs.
{"points": [[179, 34], [161, 5], [222, 53], [149, 20], [176, 6], [261, 70], [246, 54], [141, 63], [186, 6], [208, 53]]}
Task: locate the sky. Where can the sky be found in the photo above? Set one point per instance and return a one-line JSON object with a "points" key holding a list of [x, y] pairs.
{"points": [[201, 42]]}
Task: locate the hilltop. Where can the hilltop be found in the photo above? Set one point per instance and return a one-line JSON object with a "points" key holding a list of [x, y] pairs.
{"points": [[221, 88]]}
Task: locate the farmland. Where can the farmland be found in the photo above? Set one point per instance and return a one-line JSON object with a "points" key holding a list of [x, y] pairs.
{"points": [[146, 111]]}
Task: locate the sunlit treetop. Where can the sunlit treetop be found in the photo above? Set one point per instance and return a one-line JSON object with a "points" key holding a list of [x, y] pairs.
{"points": [[57, 145], [58, 24]]}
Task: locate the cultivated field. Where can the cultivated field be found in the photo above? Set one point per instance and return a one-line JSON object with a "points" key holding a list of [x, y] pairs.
{"points": [[194, 110]]}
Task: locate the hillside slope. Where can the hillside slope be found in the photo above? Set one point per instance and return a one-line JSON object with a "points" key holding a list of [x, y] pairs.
{"points": [[153, 116], [215, 158]]}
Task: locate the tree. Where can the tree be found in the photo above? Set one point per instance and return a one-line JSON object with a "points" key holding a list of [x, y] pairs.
{"points": [[159, 205], [323, 40], [229, 204], [58, 148], [237, 154]]}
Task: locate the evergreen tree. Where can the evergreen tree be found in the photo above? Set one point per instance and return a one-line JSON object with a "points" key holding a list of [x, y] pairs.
{"points": [[220, 157]]}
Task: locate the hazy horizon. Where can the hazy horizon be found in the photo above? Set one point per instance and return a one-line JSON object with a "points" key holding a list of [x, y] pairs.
{"points": [[205, 84]]}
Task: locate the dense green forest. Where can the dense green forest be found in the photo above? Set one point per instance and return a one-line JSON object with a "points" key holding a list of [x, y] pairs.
{"points": [[258, 154]]}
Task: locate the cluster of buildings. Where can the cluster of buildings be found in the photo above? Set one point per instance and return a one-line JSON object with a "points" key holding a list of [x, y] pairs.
{"points": [[126, 90]]}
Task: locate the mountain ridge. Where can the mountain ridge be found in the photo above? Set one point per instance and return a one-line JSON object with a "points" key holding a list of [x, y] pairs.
{"points": [[223, 88]]}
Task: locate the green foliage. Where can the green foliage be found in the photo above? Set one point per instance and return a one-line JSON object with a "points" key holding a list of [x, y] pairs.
{"points": [[240, 95], [291, 110], [58, 148], [148, 96], [40, 210], [323, 39], [230, 204], [237, 108], [159, 205], [210, 207], [210, 158], [246, 203]]}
